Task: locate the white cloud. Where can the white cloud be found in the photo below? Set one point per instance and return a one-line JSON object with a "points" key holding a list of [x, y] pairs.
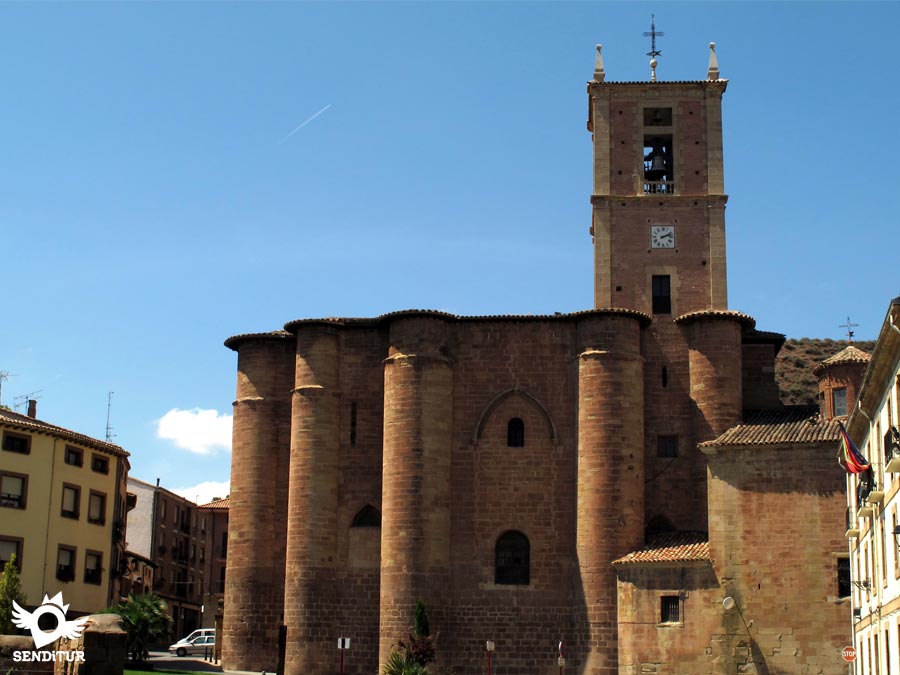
{"points": [[205, 492], [196, 430]]}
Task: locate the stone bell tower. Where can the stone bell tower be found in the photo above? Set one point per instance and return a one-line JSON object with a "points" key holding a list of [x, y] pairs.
{"points": [[659, 193]]}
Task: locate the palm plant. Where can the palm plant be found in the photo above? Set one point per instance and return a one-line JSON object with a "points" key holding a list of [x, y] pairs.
{"points": [[145, 619]]}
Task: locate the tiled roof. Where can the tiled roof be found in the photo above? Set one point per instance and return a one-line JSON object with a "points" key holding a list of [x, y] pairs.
{"points": [[670, 547], [788, 425], [559, 316], [217, 504], [235, 340], [26, 423], [847, 355], [748, 321]]}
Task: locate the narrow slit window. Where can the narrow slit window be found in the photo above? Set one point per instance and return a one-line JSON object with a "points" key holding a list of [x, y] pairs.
{"points": [[515, 433], [353, 424], [665, 377]]}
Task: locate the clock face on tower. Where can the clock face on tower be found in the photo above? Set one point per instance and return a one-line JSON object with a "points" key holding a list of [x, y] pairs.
{"points": [[662, 236]]}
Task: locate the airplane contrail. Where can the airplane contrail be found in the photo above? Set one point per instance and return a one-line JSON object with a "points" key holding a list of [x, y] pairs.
{"points": [[307, 121]]}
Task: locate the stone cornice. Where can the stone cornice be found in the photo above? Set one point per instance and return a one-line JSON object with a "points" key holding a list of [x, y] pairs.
{"points": [[653, 201]]}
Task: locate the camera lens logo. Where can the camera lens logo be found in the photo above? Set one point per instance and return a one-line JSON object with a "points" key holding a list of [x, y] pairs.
{"points": [[29, 621]]}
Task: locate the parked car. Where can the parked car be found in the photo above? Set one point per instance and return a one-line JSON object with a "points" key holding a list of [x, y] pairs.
{"points": [[194, 644]]}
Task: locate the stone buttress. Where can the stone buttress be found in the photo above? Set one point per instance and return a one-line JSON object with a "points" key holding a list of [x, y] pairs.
{"points": [[415, 540], [610, 503], [254, 586]]}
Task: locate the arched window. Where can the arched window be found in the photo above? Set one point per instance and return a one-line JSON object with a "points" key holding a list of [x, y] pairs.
{"points": [[515, 433], [368, 516], [512, 559]]}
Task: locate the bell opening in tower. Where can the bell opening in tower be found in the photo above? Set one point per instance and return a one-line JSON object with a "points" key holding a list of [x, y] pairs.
{"points": [[659, 169]]}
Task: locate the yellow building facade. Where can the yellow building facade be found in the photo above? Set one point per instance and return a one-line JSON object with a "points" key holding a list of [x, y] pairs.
{"points": [[63, 506]]}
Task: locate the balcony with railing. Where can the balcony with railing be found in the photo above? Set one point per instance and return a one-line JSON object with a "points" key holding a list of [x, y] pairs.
{"points": [[863, 490], [892, 450], [659, 187], [852, 524]]}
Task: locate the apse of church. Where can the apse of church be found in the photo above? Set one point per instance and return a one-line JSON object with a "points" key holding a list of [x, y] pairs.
{"points": [[496, 467]]}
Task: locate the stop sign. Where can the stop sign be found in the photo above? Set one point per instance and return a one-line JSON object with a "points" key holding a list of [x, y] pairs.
{"points": [[848, 654]]}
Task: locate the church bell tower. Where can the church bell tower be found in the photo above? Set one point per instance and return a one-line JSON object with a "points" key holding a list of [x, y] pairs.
{"points": [[659, 198]]}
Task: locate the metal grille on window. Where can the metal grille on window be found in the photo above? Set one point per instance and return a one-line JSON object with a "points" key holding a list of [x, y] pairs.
{"points": [[670, 609]]}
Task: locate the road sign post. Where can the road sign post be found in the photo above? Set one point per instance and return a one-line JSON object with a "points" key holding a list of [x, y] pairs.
{"points": [[489, 648], [343, 645]]}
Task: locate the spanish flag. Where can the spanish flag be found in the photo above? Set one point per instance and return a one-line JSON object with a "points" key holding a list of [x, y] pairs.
{"points": [[849, 456]]}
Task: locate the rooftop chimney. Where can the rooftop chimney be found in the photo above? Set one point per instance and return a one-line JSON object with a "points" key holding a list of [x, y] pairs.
{"points": [[32, 408]]}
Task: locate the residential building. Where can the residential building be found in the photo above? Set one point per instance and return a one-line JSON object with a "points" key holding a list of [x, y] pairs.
{"points": [[873, 521], [214, 517], [63, 507], [168, 530], [622, 479], [138, 579]]}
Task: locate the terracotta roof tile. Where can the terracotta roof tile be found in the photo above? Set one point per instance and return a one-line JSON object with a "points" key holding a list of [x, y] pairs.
{"points": [[24, 422], [670, 547], [746, 320], [374, 321], [791, 424], [847, 355], [217, 504]]}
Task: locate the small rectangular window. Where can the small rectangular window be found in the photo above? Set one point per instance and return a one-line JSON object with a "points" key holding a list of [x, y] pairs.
{"points": [[666, 445], [74, 456], [670, 609], [12, 490], [71, 501], [843, 577], [10, 547], [100, 464], [662, 294], [839, 396], [353, 424], [65, 563], [97, 508], [13, 442], [93, 567]]}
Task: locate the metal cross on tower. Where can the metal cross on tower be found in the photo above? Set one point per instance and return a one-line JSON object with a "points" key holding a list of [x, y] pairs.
{"points": [[653, 34], [849, 326]]}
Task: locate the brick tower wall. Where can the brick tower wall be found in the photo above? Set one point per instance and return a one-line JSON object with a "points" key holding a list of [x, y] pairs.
{"points": [[358, 561], [759, 386], [504, 370], [313, 503], [415, 541], [676, 487], [610, 505], [715, 373], [837, 376], [254, 585]]}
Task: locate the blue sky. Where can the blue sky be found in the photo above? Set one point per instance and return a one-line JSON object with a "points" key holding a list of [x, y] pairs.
{"points": [[153, 201]]}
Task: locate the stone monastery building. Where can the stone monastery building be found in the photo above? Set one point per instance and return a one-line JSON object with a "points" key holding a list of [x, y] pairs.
{"points": [[624, 479]]}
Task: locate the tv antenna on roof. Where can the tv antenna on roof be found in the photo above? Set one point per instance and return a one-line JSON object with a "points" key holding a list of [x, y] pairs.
{"points": [[18, 401], [109, 430], [4, 376], [849, 326]]}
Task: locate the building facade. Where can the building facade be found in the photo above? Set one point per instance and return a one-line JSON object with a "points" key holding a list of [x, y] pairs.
{"points": [[873, 523], [216, 516], [171, 531], [63, 504], [515, 473]]}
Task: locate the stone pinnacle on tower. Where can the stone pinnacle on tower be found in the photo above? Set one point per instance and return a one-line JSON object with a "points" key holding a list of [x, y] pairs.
{"points": [[599, 72], [712, 73]]}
